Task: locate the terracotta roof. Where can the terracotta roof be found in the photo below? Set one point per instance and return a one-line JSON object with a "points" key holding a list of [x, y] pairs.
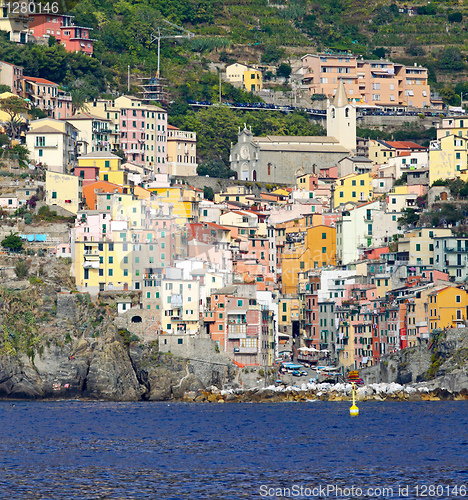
{"points": [[39, 80], [216, 226], [404, 145]]}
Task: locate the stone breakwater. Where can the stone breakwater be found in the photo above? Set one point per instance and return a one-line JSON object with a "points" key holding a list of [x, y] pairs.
{"points": [[325, 392]]}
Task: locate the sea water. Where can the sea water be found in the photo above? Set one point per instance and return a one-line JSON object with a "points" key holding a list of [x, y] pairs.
{"points": [[101, 450]]}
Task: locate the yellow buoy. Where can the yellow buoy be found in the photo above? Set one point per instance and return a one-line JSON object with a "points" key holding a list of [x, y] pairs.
{"points": [[354, 410]]}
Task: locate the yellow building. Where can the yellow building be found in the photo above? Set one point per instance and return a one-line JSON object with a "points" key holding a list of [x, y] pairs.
{"points": [[103, 264], [380, 152], [354, 188], [181, 152], [316, 250], [447, 308], [420, 245], [235, 193], [64, 190], [448, 158], [109, 166], [453, 125], [15, 23], [253, 80], [183, 201], [288, 313]]}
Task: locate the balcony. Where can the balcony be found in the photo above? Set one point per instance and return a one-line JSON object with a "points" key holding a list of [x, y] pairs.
{"points": [[236, 336], [176, 300], [246, 350], [236, 331]]}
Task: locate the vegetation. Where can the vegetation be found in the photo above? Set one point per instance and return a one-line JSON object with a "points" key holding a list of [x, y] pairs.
{"points": [[408, 132], [409, 217], [14, 107], [208, 193], [21, 269], [19, 330], [12, 242], [217, 128]]}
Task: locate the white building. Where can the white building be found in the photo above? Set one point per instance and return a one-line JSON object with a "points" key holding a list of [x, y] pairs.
{"points": [[53, 143]]}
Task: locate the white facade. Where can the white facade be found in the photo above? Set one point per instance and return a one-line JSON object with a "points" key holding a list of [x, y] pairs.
{"points": [[354, 232], [332, 284], [53, 143]]}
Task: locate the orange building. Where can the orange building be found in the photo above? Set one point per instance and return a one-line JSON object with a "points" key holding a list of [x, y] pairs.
{"points": [[90, 190], [376, 82], [316, 249]]}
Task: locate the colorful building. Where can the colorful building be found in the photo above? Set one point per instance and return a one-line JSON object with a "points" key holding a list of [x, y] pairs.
{"points": [[381, 83], [354, 188], [64, 190], [317, 249], [447, 308], [61, 27]]}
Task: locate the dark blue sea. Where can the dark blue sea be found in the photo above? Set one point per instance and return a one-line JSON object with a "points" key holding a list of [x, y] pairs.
{"points": [[83, 450]]}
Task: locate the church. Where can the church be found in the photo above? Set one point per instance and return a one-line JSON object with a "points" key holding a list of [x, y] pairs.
{"points": [[276, 159]]}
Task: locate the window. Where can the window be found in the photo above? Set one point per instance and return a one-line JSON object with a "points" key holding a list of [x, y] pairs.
{"points": [[111, 272], [54, 195], [458, 299], [418, 247], [324, 236], [111, 260], [240, 302]]}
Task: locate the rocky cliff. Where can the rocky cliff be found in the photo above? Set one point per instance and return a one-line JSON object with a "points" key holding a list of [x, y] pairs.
{"points": [[56, 344], [443, 364]]}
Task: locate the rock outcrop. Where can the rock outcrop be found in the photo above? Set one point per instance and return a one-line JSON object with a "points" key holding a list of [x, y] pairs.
{"points": [[443, 364], [77, 352]]}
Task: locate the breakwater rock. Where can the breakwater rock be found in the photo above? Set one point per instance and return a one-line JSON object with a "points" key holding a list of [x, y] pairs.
{"points": [[324, 392]]}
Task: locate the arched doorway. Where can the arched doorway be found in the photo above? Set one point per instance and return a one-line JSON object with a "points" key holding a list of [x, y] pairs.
{"points": [[254, 175], [136, 319]]}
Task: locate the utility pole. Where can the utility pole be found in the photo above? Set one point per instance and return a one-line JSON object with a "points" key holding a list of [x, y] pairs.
{"points": [[171, 31], [128, 79], [219, 71]]}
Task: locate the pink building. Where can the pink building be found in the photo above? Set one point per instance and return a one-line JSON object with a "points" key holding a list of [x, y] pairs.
{"points": [[143, 136], [89, 224], [89, 175], [60, 26], [12, 76]]}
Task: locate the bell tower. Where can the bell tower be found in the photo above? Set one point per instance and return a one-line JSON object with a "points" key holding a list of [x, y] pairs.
{"points": [[341, 119]]}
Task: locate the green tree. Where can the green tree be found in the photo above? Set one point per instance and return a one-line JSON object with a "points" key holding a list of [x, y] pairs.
{"points": [[409, 216], [14, 107], [450, 59], [455, 17], [121, 153], [13, 242], [208, 193], [284, 70], [79, 101], [215, 167]]}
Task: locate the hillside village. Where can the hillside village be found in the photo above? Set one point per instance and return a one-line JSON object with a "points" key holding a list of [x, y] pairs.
{"points": [[331, 250]]}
